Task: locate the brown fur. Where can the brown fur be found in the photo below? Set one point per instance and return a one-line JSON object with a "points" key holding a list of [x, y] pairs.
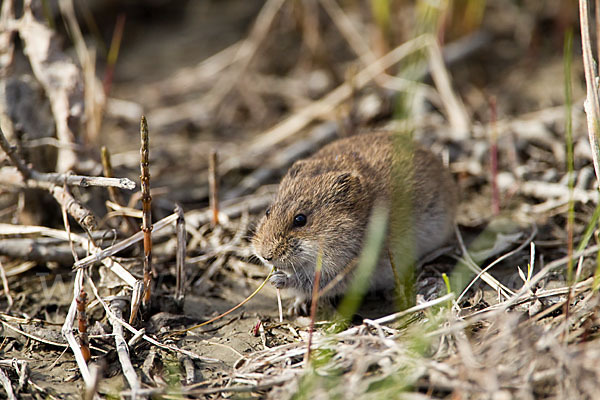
{"points": [[336, 190]]}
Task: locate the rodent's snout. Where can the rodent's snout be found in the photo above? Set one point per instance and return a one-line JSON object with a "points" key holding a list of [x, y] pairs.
{"points": [[260, 248]]}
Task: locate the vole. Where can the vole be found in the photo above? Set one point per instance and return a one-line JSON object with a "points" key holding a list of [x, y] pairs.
{"points": [[324, 204]]}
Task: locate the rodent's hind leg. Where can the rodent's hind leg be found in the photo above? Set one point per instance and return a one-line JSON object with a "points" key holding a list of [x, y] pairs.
{"points": [[300, 307]]}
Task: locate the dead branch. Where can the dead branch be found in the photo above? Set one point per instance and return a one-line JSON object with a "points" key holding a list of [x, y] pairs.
{"points": [[40, 250], [84, 181], [45, 180], [82, 215]]}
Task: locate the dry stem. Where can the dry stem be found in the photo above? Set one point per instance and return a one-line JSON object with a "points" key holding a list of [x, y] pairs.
{"points": [[213, 186], [67, 330], [180, 256], [146, 210], [592, 103], [125, 243], [82, 325]]}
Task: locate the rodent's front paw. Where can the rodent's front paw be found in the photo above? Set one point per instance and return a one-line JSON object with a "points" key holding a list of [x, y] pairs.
{"points": [[279, 279]]}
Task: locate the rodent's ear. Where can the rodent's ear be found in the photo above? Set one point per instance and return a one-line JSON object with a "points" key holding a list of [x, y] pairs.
{"points": [[295, 169], [346, 182]]}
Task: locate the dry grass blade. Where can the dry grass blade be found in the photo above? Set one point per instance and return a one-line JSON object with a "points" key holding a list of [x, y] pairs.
{"points": [[313, 306], [592, 103], [544, 272], [394, 317], [496, 262], [90, 391], [455, 109], [218, 317], [485, 276], [30, 336]]}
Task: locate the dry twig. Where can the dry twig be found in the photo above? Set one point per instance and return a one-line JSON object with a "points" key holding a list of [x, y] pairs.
{"points": [[5, 382], [116, 306]]}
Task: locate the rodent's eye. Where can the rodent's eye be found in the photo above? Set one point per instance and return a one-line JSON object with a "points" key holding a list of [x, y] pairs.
{"points": [[268, 212], [299, 220]]}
